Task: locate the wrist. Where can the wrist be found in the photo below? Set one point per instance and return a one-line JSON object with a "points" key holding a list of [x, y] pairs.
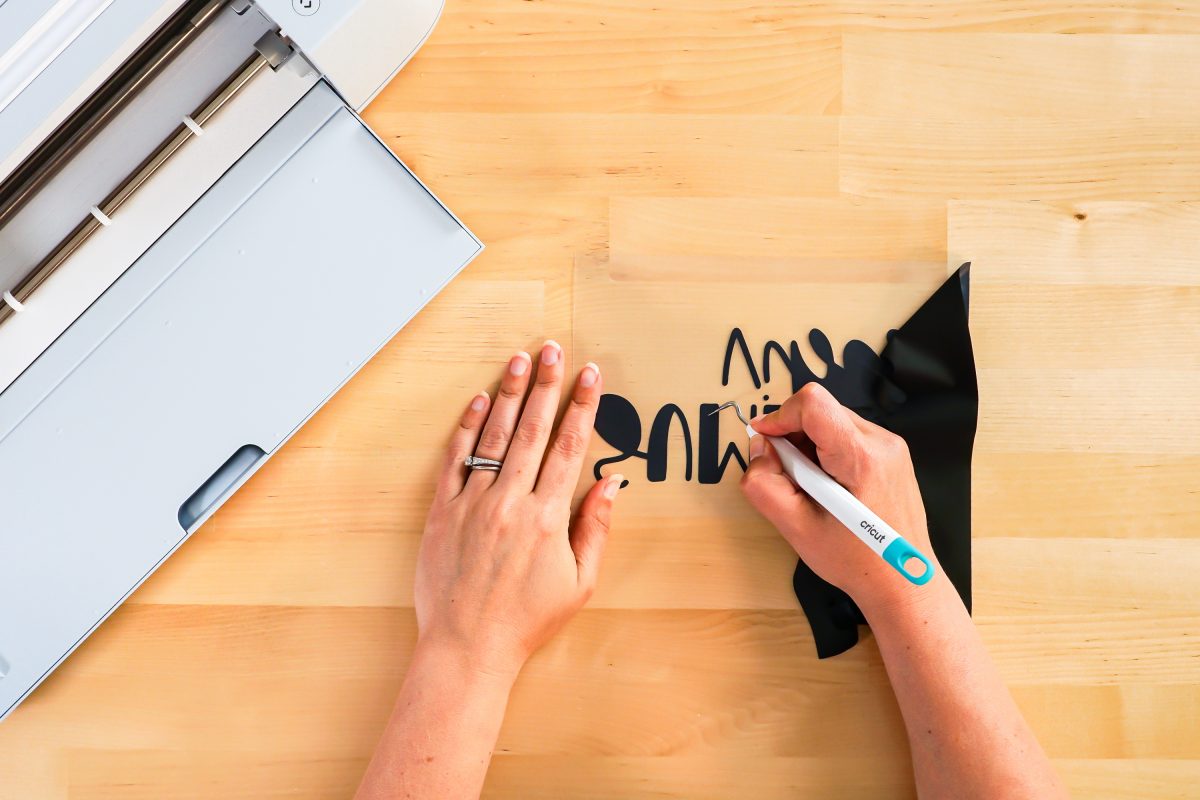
{"points": [[897, 602], [468, 661]]}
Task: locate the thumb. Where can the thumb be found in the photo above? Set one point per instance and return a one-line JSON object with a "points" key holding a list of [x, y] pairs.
{"points": [[589, 533], [771, 492]]}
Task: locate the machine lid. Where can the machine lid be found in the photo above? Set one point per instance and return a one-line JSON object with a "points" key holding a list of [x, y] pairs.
{"points": [[198, 363]]}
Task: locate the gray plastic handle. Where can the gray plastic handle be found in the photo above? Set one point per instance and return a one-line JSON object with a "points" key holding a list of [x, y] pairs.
{"points": [[220, 484]]}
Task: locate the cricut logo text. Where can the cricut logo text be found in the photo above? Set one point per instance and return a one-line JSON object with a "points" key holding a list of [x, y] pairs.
{"points": [[871, 529]]}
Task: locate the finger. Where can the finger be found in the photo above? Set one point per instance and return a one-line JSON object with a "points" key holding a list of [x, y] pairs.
{"points": [[830, 426], [770, 491], [564, 462], [533, 431], [789, 417], [498, 432], [462, 444], [589, 532]]}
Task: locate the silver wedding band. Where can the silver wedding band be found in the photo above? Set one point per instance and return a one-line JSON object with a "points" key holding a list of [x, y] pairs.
{"points": [[486, 464]]}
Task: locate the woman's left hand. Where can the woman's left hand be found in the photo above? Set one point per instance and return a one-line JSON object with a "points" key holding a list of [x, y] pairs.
{"points": [[502, 564]]}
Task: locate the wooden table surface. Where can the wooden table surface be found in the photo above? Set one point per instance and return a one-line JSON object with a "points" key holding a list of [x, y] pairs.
{"points": [[856, 146]]}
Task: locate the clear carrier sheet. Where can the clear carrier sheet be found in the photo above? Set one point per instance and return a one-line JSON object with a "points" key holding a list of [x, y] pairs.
{"points": [[198, 363], [678, 338]]}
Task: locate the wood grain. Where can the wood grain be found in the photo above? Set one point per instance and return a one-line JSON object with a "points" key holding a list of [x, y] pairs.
{"points": [[646, 175], [994, 75], [1076, 242], [1028, 158]]}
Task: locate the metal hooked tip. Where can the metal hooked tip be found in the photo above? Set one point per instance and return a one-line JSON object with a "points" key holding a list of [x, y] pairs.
{"points": [[736, 408]]}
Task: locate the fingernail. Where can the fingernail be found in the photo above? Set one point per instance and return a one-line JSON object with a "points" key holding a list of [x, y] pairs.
{"points": [[480, 401], [519, 363], [587, 378], [757, 446], [613, 486], [550, 352]]}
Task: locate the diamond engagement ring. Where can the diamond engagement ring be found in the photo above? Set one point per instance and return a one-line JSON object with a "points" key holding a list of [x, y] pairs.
{"points": [[488, 464]]}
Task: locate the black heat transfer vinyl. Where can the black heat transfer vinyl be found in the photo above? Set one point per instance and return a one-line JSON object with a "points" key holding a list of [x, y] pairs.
{"points": [[926, 393]]}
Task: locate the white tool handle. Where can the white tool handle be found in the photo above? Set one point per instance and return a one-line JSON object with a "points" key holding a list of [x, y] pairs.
{"points": [[849, 510]]}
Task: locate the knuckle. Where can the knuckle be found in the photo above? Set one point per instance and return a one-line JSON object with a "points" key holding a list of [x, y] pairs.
{"points": [[807, 392], [548, 520], [531, 431], [494, 439], [510, 391], [586, 403], [503, 509], [808, 400], [570, 443], [888, 447]]}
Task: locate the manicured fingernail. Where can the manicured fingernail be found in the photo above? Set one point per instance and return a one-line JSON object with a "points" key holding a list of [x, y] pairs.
{"points": [[587, 378], [550, 352], [757, 446], [613, 486], [519, 363], [480, 401]]}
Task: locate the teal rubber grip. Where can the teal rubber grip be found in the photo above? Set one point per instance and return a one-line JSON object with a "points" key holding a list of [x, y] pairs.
{"points": [[899, 553]]}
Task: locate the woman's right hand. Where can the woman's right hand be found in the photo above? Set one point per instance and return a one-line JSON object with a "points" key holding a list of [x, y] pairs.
{"points": [[872, 463]]}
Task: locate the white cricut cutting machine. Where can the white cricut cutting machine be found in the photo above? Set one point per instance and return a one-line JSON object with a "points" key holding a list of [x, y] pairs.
{"points": [[200, 242]]}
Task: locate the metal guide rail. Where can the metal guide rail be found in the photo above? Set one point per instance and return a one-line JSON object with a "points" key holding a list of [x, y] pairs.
{"points": [[159, 99]]}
